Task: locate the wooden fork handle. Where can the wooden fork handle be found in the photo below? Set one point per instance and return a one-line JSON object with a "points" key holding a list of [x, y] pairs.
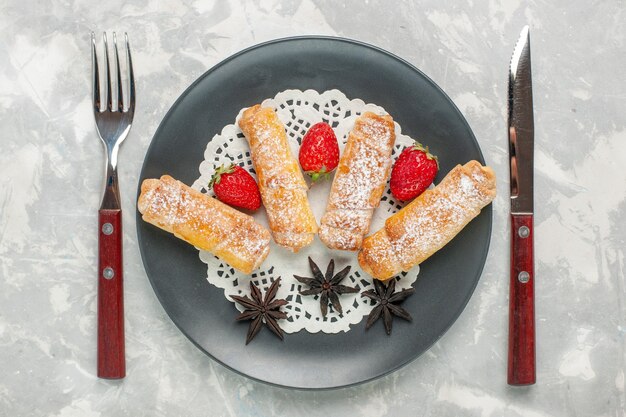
{"points": [[111, 352]]}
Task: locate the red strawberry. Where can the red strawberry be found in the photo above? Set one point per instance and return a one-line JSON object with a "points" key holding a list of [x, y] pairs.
{"points": [[319, 152], [413, 172], [235, 186]]}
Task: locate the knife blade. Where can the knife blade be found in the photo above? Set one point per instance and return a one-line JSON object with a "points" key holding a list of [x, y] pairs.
{"points": [[521, 349]]}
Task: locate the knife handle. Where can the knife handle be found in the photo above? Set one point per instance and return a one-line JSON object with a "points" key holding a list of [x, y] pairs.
{"points": [[521, 363], [111, 355]]}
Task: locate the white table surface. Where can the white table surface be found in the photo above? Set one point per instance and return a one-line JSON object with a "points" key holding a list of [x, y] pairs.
{"points": [[50, 182]]}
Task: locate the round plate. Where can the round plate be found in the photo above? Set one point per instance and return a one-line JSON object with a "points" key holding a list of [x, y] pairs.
{"points": [[304, 360]]}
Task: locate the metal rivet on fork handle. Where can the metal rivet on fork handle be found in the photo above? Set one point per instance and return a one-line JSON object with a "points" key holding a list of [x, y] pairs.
{"points": [[107, 228], [108, 272]]}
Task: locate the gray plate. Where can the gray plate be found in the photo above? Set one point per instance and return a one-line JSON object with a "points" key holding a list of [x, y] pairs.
{"points": [[303, 360]]}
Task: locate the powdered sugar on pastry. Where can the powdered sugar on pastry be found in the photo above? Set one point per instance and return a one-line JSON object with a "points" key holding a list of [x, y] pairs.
{"points": [[281, 183], [204, 222], [429, 222], [359, 182]]}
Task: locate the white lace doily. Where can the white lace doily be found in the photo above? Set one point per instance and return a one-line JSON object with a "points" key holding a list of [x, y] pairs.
{"points": [[298, 110]]}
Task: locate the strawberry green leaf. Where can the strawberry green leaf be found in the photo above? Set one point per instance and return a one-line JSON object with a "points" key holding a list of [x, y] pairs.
{"points": [[217, 175]]}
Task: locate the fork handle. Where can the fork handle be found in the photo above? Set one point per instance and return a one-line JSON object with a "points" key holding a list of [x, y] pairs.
{"points": [[111, 354]]}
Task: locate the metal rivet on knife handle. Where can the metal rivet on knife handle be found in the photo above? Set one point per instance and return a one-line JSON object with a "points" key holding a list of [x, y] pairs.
{"points": [[523, 232], [523, 277]]}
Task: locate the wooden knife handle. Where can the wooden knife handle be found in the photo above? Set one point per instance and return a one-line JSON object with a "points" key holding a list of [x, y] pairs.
{"points": [[111, 354], [521, 363]]}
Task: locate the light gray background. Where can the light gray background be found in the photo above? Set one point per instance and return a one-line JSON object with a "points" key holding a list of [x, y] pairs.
{"points": [[50, 181]]}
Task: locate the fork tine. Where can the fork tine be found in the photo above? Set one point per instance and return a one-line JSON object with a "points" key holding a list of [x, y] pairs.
{"points": [[107, 72], [120, 94], [131, 76], [95, 78]]}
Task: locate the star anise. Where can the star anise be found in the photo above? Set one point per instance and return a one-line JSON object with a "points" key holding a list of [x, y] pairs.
{"points": [[326, 285], [261, 310], [386, 298]]}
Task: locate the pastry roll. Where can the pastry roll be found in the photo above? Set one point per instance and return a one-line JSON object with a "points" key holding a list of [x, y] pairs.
{"points": [[282, 186], [429, 222], [205, 222], [359, 182]]}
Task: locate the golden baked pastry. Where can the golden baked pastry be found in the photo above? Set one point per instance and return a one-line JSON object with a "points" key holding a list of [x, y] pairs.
{"points": [[359, 182], [281, 183], [429, 222], [205, 222]]}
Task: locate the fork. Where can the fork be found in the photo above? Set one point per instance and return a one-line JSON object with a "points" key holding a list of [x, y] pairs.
{"points": [[113, 114]]}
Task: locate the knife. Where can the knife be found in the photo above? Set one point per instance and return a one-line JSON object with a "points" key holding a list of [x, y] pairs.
{"points": [[521, 355]]}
